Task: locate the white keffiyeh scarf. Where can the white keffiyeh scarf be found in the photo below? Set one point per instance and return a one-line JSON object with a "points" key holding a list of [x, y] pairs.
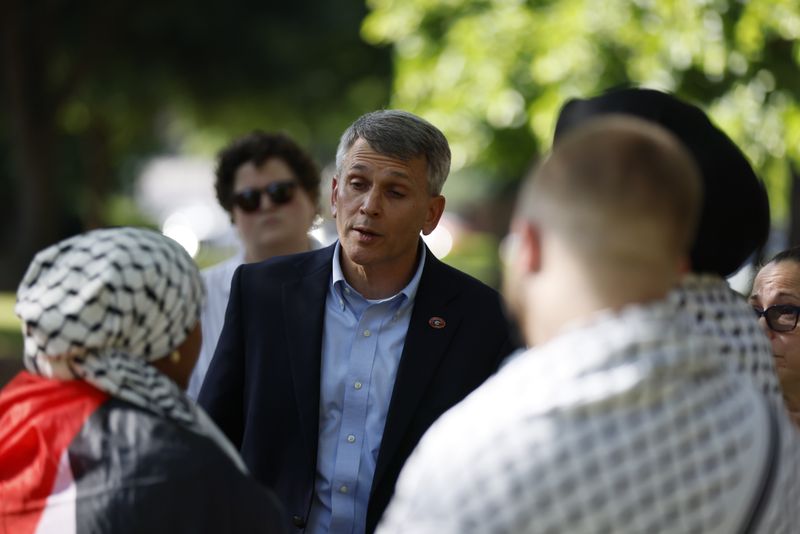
{"points": [[101, 305]]}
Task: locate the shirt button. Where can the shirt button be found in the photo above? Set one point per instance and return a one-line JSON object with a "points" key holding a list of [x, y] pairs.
{"points": [[357, 385], [347, 290], [342, 489], [367, 333], [351, 438]]}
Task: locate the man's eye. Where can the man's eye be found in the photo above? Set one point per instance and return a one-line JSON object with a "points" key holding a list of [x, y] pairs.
{"points": [[396, 194], [358, 185]]}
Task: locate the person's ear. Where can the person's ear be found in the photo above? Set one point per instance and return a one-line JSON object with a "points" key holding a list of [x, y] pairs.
{"points": [[530, 247], [435, 210], [334, 191]]}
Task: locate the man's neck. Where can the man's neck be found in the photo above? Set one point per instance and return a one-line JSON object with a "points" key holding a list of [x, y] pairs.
{"points": [[571, 295], [256, 254], [378, 281], [548, 322]]}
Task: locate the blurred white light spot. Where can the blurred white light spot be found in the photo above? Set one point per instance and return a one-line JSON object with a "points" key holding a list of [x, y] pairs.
{"points": [[176, 228], [506, 110], [742, 279], [180, 184], [458, 156], [318, 234], [440, 241]]}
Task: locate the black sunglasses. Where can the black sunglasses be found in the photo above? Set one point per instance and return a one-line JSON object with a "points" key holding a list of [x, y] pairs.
{"points": [[780, 318], [249, 198]]}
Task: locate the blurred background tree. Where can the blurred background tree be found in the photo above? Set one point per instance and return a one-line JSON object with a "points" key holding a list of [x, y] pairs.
{"points": [[494, 73], [91, 90]]}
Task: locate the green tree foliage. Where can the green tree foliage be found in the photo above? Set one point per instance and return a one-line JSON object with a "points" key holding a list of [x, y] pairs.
{"points": [[89, 90], [494, 73]]}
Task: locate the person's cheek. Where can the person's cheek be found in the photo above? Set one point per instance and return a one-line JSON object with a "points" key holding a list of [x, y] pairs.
{"points": [[777, 344], [792, 351]]}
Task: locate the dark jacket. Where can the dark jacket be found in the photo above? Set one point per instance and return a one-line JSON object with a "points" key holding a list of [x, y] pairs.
{"points": [[263, 385], [108, 466]]}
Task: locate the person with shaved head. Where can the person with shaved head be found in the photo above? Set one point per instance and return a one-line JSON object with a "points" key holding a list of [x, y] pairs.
{"points": [[620, 418]]}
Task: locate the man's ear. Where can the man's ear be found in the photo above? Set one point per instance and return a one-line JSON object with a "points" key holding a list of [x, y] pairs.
{"points": [[334, 190], [435, 210], [530, 247]]}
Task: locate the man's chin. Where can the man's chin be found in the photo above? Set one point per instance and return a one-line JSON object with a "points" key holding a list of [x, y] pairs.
{"points": [[357, 253]]}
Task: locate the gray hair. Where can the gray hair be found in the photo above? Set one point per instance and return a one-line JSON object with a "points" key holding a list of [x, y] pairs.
{"points": [[401, 135]]}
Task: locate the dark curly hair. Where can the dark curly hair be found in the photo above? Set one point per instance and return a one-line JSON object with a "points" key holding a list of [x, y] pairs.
{"points": [[790, 254], [256, 148]]}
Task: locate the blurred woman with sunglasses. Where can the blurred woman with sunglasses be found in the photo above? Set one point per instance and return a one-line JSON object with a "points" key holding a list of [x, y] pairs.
{"points": [[776, 301], [270, 188]]}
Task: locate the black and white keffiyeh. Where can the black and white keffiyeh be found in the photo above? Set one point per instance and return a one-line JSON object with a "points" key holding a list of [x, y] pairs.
{"points": [[100, 305], [724, 316], [626, 423]]}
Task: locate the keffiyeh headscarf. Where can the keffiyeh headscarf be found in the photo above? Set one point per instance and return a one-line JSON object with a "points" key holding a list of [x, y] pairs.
{"points": [[99, 306]]}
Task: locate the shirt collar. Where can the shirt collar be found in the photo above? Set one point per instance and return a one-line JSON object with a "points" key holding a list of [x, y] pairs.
{"points": [[409, 292]]}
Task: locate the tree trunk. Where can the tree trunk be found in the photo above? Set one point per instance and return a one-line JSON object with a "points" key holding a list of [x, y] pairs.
{"points": [[33, 140], [98, 175]]}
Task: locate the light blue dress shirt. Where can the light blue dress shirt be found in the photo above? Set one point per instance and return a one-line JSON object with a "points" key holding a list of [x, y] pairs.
{"points": [[361, 347]]}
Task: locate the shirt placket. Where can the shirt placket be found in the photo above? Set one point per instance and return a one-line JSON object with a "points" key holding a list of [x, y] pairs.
{"points": [[354, 419]]}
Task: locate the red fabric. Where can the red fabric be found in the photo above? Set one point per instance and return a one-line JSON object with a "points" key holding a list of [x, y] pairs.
{"points": [[38, 420]]}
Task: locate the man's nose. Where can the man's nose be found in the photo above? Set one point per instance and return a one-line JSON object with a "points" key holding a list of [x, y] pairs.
{"points": [[371, 204]]}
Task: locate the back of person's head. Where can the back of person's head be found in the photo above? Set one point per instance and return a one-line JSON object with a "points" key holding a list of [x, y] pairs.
{"points": [[401, 135], [734, 220], [96, 305], [622, 194], [257, 147]]}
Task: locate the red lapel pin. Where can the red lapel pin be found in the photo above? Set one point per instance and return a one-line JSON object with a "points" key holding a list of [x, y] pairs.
{"points": [[437, 322]]}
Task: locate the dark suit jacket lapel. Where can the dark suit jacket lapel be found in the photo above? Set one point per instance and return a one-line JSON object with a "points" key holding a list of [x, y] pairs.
{"points": [[424, 347], [304, 306]]}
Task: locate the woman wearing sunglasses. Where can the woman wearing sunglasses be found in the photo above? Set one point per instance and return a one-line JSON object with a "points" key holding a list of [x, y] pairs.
{"points": [[270, 188], [776, 301]]}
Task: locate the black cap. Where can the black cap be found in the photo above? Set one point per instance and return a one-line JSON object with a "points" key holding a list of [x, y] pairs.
{"points": [[734, 221]]}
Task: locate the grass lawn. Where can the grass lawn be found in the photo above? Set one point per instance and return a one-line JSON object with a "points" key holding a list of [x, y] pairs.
{"points": [[10, 334], [10, 339]]}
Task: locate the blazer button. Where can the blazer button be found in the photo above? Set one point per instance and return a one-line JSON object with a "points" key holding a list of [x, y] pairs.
{"points": [[298, 521]]}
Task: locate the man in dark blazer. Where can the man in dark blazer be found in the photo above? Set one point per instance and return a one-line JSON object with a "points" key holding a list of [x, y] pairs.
{"points": [[333, 363]]}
